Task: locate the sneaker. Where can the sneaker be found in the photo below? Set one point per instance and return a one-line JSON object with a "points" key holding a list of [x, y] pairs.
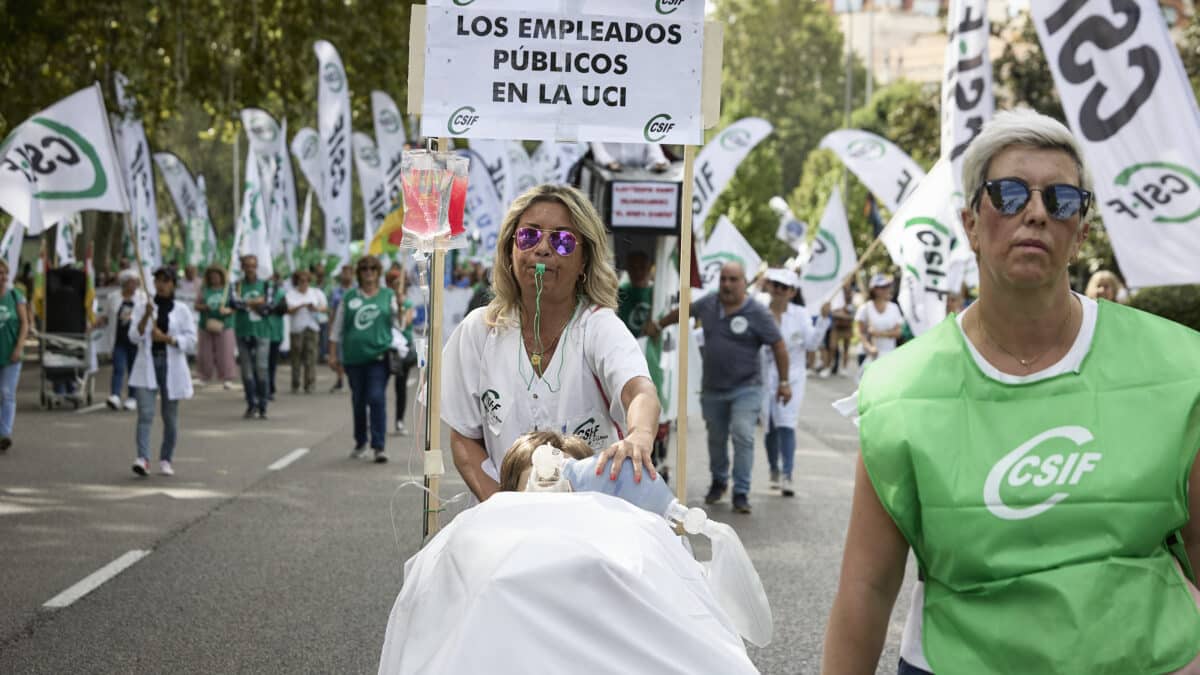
{"points": [[774, 480], [715, 492], [337, 386], [228, 384], [141, 467], [824, 374], [130, 404], [741, 504], [380, 456], [358, 452], [164, 467], [400, 428], [786, 488], [114, 402], [249, 414], [5, 443], [262, 413]]}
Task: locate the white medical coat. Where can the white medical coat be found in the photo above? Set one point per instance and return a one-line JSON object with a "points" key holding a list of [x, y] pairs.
{"points": [[800, 336], [181, 326], [490, 391], [112, 308]]}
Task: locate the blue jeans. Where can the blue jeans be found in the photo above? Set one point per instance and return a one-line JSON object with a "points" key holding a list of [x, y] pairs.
{"points": [[368, 398], [781, 445], [123, 355], [10, 374], [145, 414], [272, 365], [254, 358], [733, 413]]}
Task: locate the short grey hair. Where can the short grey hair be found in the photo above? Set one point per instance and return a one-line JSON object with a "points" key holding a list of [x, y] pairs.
{"points": [[1023, 127]]}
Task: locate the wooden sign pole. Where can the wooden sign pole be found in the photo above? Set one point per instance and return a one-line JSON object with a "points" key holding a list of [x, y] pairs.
{"points": [[434, 460], [685, 312]]}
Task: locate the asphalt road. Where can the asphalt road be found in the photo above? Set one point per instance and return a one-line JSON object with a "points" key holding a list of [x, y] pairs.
{"points": [[249, 569]]}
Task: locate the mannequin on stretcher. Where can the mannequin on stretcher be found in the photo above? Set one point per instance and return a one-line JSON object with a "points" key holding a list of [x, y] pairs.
{"points": [[538, 580]]}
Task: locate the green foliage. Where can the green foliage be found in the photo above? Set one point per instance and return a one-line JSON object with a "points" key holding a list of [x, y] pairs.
{"points": [[1022, 76], [1177, 303], [784, 61], [194, 64], [1189, 51]]}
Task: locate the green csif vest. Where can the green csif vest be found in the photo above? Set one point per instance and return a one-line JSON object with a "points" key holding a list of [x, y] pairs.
{"points": [[1039, 513], [367, 326]]}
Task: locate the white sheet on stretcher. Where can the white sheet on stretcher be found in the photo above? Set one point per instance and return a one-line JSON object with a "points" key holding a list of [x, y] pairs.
{"points": [[558, 583]]}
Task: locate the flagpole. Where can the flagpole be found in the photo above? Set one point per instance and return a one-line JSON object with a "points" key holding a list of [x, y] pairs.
{"points": [[685, 310]]}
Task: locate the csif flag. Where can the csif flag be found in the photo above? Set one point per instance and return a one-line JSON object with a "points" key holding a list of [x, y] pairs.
{"points": [[61, 161], [726, 245], [333, 131], [833, 256], [887, 171], [1127, 99], [921, 241], [369, 165], [185, 193], [967, 100], [139, 179], [718, 161], [389, 135]]}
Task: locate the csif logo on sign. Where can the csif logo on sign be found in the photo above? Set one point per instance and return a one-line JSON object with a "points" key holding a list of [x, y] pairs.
{"points": [[735, 139], [1161, 191], [826, 259], [1095, 32], [866, 148], [1028, 473], [657, 128], [43, 147], [668, 6], [332, 74], [461, 120]]}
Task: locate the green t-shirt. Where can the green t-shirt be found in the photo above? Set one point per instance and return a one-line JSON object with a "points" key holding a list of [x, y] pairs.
{"points": [[366, 326], [213, 299], [247, 322], [10, 323], [275, 320], [634, 306]]}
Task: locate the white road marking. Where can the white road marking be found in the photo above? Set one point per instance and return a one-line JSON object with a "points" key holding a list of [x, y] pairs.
{"points": [[287, 459], [94, 580], [817, 452], [91, 408]]}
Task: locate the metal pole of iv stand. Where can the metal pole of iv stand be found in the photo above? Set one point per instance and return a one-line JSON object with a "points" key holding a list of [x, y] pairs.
{"points": [[434, 462]]}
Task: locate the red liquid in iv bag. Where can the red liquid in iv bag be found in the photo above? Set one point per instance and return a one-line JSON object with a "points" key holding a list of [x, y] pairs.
{"points": [[458, 203]]}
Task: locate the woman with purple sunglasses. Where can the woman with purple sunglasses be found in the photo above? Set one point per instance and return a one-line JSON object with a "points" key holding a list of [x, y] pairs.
{"points": [[548, 352]]}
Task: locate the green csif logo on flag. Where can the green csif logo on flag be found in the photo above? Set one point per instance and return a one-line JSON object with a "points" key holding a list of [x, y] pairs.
{"points": [[45, 149], [826, 261], [1162, 191], [866, 148]]}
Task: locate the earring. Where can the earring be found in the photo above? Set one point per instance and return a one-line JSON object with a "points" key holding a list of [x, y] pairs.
{"points": [[582, 278]]}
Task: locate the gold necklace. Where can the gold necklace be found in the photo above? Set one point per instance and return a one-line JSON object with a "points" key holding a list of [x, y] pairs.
{"points": [[535, 357], [1028, 363]]}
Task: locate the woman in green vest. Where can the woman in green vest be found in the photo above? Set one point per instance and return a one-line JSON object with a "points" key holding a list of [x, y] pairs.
{"points": [[1034, 452], [363, 328], [14, 326]]}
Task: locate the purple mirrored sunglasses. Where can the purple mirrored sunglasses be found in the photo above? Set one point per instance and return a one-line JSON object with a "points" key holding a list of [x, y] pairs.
{"points": [[562, 241]]}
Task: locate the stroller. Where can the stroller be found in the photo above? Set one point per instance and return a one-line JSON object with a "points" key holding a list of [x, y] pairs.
{"points": [[65, 349]]}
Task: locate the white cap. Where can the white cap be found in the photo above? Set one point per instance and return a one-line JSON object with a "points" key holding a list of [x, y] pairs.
{"points": [[782, 275], [880, 280]]}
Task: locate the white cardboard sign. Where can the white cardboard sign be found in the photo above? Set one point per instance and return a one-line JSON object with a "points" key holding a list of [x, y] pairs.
{"points": [[618, 71], [645, 204]]}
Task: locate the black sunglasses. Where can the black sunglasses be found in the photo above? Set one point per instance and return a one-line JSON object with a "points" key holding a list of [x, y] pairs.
{"points": [[1010, 195]]}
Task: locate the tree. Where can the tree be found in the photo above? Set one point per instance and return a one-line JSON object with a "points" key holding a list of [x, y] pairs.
{"points": [[1021, 74], [784, 62]]}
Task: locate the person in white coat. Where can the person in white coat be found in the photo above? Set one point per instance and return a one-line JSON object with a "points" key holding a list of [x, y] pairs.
{"points": [[800, 335], [165, 331], [115, 320]]}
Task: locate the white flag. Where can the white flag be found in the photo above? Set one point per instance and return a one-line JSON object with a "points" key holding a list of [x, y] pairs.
{"points": [[188, 205], [284, 194], [920, 238], [369, 166], [833, 254], [791, 231], [269, 150], [483, 210], [887, 171], [389, 133], [209, 248], [508, 165], [61, 161], [724, 246], [718, 161], [134, 150], [64, 243], [251, 237], [333, 128], [10, 248], [306, 148], [967, 100], [306, 219], [1127, 98]]}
